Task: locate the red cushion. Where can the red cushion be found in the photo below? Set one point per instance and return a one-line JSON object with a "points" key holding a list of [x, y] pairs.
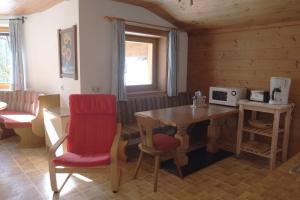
{"points": [[12, 119], [92, 124], [74, 160], [163, 142]]}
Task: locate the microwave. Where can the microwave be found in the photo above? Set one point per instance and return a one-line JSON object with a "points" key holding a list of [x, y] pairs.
{"points": [[226, 96]]}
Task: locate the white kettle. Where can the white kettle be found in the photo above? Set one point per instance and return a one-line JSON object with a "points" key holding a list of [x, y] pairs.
{"points": [[279, 90]]}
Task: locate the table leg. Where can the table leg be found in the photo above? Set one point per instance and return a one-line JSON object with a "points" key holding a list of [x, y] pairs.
{"points": [[213, 133], [287, 125], [253, 117], [184, 145], [240, 130], [274, 140]]}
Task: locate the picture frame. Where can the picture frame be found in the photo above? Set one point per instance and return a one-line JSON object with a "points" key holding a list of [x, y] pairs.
{"points": [[67, 45]]}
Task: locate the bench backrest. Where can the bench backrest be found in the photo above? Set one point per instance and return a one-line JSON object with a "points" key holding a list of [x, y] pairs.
{"points": [[126, 109], [21, 101]]}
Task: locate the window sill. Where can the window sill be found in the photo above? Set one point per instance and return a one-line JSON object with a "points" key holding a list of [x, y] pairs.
{"points": [[4, 86], [145, 93]]}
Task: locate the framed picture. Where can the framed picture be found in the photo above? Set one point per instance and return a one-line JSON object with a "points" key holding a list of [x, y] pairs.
{"points": [[67, 44]]}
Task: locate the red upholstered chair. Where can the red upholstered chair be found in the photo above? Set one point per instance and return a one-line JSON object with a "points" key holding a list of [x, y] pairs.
{"points": [[92, 139], [155, 145]]}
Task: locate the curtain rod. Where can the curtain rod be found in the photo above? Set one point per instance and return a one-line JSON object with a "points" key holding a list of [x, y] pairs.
{"points": [[18, 18], [141, 23]]}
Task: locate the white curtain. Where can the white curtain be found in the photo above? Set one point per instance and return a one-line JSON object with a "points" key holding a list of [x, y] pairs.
{"points": [[118, 60], [16, 46], [172, 89]]}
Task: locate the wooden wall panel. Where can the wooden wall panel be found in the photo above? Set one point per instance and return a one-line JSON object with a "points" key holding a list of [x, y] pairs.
{"points": [[248, 58]]}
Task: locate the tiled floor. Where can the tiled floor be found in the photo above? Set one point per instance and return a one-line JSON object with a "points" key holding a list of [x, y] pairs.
{"points": [[24, 175]]}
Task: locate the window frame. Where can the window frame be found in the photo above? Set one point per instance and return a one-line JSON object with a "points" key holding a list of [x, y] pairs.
{"points": [[154, 42]]}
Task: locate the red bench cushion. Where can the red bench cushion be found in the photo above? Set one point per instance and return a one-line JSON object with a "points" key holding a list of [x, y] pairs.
{"points": [[75, 160], [12, 119]]}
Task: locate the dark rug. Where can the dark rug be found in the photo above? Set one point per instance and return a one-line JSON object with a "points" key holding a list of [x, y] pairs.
{"points": [[198, 159]]}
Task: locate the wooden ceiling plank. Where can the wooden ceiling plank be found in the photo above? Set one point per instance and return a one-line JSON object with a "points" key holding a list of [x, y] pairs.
{"points": [[215, 14]]}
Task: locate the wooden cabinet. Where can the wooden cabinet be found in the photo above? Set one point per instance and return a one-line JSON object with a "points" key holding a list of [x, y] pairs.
{"points": [[257, 147], [56, 120]]}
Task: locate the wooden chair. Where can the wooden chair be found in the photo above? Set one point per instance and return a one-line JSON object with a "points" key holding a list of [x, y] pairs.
{"points": [[155, 145], [92, 139]]}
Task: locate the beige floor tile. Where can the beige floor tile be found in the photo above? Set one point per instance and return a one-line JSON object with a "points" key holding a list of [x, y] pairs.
{"points": [[24, 175]]}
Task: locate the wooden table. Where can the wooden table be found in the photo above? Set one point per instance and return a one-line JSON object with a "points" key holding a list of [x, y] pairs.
{"points": [[3, 105], [3, 133], [183, 116]]}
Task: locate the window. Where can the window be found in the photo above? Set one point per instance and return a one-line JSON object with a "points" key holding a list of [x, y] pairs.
{"points": [[145, 60], [5, 59], [140, 63]]}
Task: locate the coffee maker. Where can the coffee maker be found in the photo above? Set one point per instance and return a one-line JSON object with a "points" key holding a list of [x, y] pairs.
{"points": [[279, 90]]}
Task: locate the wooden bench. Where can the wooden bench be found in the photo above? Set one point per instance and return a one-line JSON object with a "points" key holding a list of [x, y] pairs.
{"points": [[126, 110], [24, 115]]}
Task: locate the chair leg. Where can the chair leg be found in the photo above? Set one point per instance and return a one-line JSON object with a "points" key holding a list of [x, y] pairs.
{"points": [[120, 175], [138, 164], [53, 180], [156, 168], [115, 177], [177, 164]]}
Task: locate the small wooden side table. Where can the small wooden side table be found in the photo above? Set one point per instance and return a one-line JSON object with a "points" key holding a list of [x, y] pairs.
{"points": [[260, 148]]}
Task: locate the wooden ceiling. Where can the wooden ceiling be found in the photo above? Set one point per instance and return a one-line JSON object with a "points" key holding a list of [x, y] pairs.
{"points": [[23, 7], [214, 14], [204, 14]]}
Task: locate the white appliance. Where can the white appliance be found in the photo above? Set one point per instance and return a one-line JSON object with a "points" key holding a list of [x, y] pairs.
{"points": [[279, 90], [226, 96], [259, 96]]}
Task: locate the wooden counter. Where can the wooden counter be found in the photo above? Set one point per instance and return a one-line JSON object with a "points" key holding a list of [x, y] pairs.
{"points": [[278, 185]]}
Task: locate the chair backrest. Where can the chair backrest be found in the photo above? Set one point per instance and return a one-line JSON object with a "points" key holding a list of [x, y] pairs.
{"points": [[92, 123], [146, 125]]}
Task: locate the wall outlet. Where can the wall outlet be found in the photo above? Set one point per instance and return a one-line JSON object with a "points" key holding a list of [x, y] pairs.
{"points": [[95, 89], [62, 87]]}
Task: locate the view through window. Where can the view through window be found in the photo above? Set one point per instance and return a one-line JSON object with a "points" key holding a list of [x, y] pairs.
{"points": [[145, 60], [139, 63], [5, 58]]}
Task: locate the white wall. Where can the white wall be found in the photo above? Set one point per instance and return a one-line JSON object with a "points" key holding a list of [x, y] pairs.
{"points": [[95, 41], [41, 48], [94, 45], [4, 23]]}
